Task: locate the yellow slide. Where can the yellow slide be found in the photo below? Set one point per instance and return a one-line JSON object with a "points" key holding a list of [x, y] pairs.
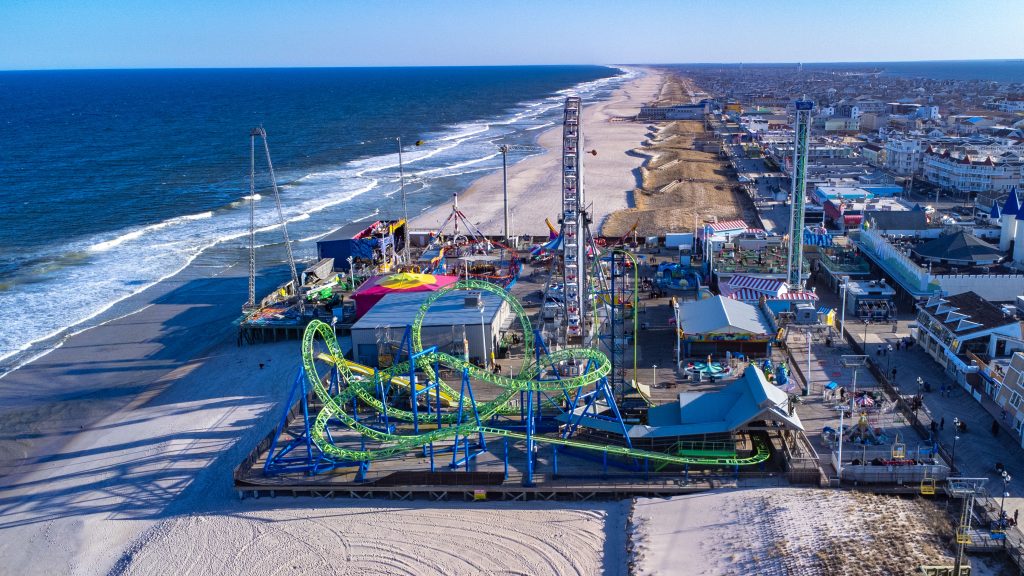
{"points": [[402, 382]]}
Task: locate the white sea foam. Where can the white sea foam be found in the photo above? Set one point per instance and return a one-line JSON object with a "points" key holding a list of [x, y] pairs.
{"points": [[134, 260], [136, 234]]}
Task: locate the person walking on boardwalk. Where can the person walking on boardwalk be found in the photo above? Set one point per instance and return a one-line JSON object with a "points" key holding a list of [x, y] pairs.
{"points": [[942, 423]]}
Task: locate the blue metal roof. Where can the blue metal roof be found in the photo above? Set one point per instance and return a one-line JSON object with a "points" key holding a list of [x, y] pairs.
{"points": [[1012, 205], [749, 398]]}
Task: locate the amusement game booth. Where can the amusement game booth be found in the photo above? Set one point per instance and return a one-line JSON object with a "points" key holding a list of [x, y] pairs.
{"points": [[718, 325]]}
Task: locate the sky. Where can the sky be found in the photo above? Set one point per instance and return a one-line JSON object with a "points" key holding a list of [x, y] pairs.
{"points": [[54, 34]]}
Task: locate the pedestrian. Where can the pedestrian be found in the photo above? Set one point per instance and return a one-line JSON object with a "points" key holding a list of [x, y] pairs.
{"points": [[893, 374], [995, 427], [1002, 414], [1015, 512], [942, 423]]}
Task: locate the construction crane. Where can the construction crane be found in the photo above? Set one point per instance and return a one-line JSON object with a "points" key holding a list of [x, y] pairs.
{"points": [[280, 216]]}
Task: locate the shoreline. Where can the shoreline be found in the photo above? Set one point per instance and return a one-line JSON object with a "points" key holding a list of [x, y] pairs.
{"points": [[534, 183], [139, 417]]}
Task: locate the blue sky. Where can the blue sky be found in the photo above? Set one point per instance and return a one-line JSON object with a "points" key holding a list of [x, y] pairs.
{"points": [[229, 33]]}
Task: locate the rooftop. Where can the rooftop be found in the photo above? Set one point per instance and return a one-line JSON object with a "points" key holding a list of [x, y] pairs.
{"points": [[959, 248], [748, 399], [966, 313], [719, 314]]}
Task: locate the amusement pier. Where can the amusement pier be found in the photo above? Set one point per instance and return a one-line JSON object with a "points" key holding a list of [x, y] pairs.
{"points": [[615, 358]]}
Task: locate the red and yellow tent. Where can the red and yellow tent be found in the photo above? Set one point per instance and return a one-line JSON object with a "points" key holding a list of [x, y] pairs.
{"points": [[377, 287]]}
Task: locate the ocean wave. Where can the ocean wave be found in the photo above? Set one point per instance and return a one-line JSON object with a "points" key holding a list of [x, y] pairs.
{"points": [[136, 234], [114, 269]]}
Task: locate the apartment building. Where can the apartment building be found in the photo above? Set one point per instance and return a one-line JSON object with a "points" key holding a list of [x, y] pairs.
{"points": [[973, 169], [903, 156]]}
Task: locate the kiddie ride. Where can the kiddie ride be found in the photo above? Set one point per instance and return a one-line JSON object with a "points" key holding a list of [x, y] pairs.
{"points": [[408, 409]]}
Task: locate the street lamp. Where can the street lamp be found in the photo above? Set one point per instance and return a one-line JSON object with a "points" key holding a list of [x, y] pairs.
{"points": [[807, 380], [842, 309], [842, 413], [654, 379], [483, 334], [865, 340], [952, 456], [888, 352], [405, 204], [920, 385], [1006, 482]]}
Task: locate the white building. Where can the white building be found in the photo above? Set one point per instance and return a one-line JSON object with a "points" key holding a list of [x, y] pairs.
{"points": [[458, 323], [975, 169], [951, 326], [903, 156], [928, 113], [1010, 105]]}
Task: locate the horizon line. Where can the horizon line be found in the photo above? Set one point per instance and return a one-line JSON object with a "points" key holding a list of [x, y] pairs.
{"points": [[648, 64]]}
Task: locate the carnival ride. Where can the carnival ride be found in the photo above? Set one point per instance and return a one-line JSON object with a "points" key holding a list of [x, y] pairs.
{"points": [[542, 403], [708, 369], [471, 253]]}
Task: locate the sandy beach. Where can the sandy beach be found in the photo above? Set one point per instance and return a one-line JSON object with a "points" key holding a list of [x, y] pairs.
{"points": [[147, 490], [534, 184], [792, 531], [116, 449]]}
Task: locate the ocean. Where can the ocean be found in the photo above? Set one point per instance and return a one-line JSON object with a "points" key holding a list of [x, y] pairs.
{"points": [[115, 180], [1010, 71]]}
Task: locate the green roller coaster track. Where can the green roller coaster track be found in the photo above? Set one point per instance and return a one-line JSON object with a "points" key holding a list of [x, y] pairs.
{"points": [[357, 387]]}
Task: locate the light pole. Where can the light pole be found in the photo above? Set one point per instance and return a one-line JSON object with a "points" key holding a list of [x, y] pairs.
{"points": [[956, 436], [1006, 482], [807, 390], [405, 204], [839, 464], [920, 385], [504, 183], [654, 379], [675, 312], [483, 334], [888, 351], [866, 322], [842, 309]]}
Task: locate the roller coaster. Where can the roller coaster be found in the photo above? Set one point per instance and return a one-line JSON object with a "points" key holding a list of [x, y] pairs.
{"points": [[409, 407]]}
